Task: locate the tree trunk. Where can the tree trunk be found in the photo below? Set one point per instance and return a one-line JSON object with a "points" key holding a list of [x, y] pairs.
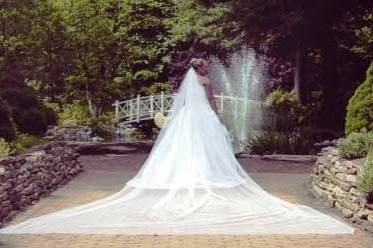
{"points": [[329, 111], [300, 81], [94, 108]]}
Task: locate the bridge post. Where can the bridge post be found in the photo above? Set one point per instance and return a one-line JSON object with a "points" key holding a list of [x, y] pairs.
{"points": [[131, 110], [138, 109], [116, 104], [162, 103], [151, 106]]}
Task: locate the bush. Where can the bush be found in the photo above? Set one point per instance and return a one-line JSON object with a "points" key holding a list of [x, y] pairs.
{"points": [[360, 106], [50, 115], [284, 113], [4, 148], [32, 121], [22, 98], [365, 178], [144, 129], [269, 142], [74, 114], [356, 145], [103, 125], [156, 88], [25, 141], [7, 127], [23, 103]]}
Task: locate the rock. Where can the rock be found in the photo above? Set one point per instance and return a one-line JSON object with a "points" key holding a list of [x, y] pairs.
{"points": [[347, 213], [323, 185], [317, 190], [350, 205], [2, 170], [363, 213], [3, 196], [370, 218], [334, 179], [290, 158], [29, 176], [346, 177], [76, 133], [18, 188], [349, 164], [331, 200], [355, 192], [343, 185], [339, 167], [97, 139]]}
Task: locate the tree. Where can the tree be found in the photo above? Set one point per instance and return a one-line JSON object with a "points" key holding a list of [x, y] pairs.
{"points": [[144, 25], [360, 106], [197, 29], [97, 50], [292, 30]]}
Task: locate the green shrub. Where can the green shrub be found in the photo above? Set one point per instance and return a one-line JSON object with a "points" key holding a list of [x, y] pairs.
{"points": [[103, 125], [32, 121], [25, 141], [156, 88], [355, 145], [274, 142], [365, 178], [106, 119], [144, 129], [74, 114], [22, 98], [284, 113], [4, 148], [266, 142], [360, 106], [50, 115], [23, 103], [7, 127]]}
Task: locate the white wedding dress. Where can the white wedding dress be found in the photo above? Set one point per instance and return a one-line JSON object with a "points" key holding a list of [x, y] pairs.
{"points": [[191, 183]]}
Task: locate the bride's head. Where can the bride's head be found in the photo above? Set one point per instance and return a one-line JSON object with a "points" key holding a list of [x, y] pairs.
{"points": [[200, 65]]}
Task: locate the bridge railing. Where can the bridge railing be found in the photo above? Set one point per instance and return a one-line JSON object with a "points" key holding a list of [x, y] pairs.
{"points": [[145, 107]]}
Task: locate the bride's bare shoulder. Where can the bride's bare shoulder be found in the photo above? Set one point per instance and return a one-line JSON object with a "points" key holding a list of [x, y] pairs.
{"points": [[204, 80]]}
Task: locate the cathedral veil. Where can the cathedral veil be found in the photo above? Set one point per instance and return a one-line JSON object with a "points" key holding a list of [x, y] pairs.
{"points": [[191, 183]]}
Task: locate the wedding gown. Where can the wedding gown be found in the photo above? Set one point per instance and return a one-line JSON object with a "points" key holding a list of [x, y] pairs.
{"points": [[191, 183]]}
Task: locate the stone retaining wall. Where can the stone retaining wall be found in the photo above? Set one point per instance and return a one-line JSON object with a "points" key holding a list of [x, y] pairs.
{"points": [[27, 177], [75, 133], [334, 180]]}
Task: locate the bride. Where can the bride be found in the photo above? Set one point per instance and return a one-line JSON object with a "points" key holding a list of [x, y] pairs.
{"points": [[191, 183]]}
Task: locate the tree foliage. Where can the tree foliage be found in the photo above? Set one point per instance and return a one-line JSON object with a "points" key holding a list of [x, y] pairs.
{"points": [[97, 51], [360, 107]]}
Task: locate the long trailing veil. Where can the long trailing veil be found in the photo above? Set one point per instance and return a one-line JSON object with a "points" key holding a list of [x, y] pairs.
{"points": [[191, 183]]}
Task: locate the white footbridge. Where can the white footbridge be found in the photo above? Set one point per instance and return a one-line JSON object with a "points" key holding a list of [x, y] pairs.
{"points": [[145, 107]]}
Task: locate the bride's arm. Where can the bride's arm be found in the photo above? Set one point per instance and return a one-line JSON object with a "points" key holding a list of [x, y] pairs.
{"points": [[210, 96]]}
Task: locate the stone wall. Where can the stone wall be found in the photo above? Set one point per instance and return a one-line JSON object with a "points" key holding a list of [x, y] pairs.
{"points": [[27, 177], [76, 133], [334, 180]]}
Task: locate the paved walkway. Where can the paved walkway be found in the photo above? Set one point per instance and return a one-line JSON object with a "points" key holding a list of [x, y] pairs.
{"points": [[106, 174]]}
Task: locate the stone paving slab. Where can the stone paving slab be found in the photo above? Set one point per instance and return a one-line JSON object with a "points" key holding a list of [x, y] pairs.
{"points": [[187, 241], [105, 175]]}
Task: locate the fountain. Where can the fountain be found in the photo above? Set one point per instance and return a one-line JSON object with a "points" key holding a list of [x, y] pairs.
{"points": [[242, 78]]}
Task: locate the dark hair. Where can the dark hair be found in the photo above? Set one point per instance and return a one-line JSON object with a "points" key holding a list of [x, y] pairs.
{"points": [[197, 62]]}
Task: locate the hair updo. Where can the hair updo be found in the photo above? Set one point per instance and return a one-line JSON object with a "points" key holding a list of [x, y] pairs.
{"points": [[197, 62]]}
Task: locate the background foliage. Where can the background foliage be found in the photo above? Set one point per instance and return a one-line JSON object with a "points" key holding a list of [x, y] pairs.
{"points": [[70, 59]]}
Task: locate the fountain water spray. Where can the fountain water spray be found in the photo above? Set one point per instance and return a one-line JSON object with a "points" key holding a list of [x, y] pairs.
{"points": [[242, 78]]}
